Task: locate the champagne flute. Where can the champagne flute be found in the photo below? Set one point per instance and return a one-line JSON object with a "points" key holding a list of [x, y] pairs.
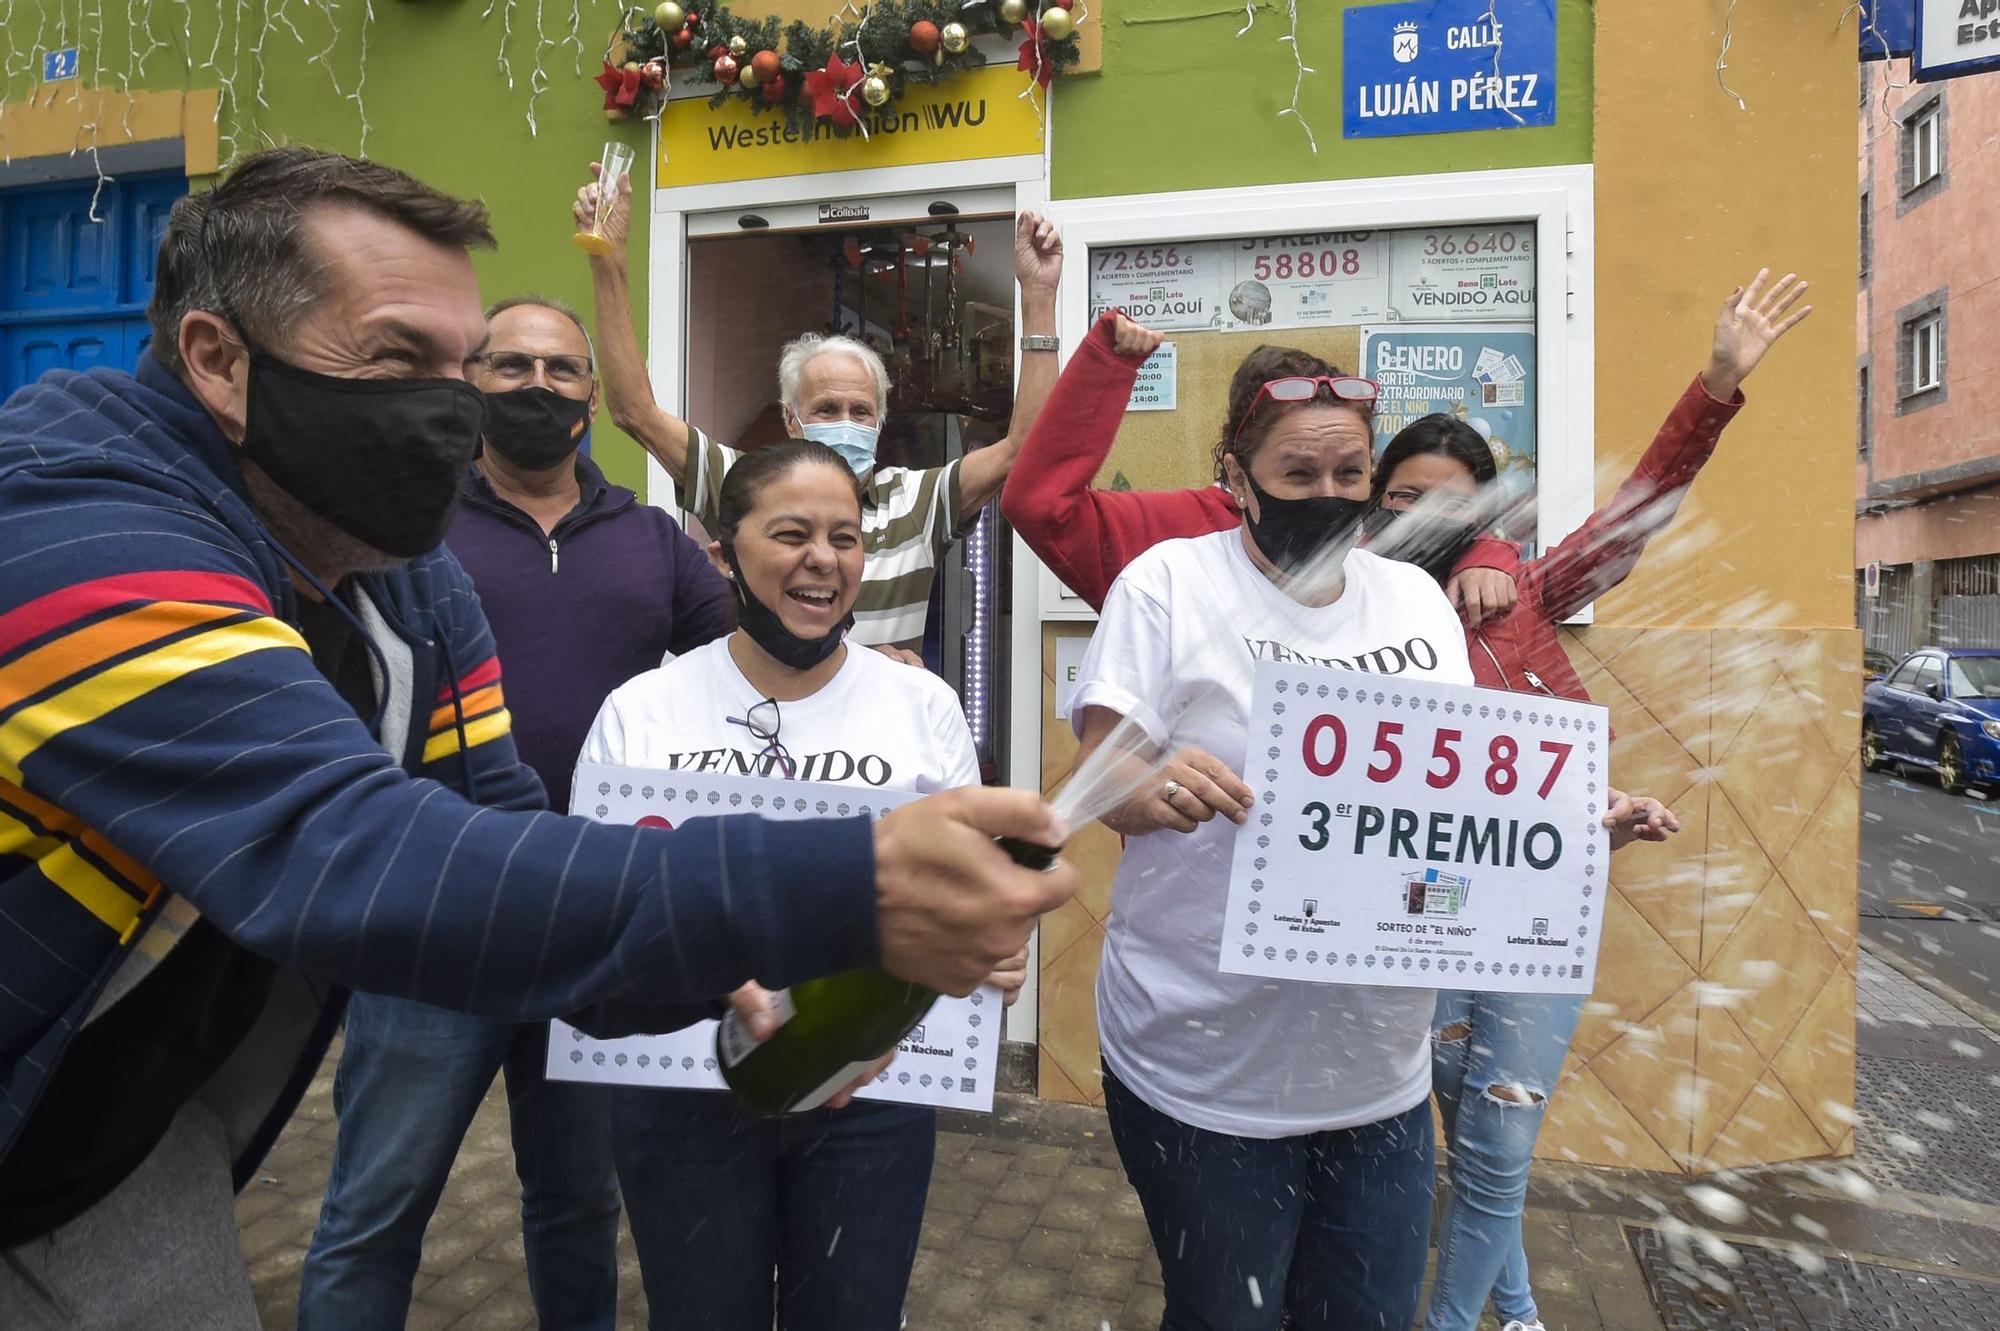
{"points": [[613, 168]]}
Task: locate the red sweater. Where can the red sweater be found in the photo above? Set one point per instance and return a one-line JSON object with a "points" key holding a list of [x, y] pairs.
{"points": [[1088, 536]]}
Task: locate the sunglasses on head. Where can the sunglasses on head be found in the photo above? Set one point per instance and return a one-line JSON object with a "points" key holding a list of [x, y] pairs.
{"points": [[1306, 387]]}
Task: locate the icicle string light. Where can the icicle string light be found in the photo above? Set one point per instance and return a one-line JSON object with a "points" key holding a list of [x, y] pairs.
{"points": [[1722, 56], [538, 79], [1499, 44]]}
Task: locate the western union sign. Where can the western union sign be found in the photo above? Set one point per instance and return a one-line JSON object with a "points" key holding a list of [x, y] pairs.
{"points": [[976, 115]]}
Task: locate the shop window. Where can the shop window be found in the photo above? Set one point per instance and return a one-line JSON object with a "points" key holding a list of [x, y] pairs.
{"points": [[1466, 295]]}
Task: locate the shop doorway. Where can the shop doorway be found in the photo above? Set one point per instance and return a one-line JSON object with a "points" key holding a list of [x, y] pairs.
{"points": [[928, 283]]}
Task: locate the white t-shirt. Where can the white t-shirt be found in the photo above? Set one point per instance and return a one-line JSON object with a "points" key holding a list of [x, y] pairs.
{"points": [[1180, 636], [875, 723]]}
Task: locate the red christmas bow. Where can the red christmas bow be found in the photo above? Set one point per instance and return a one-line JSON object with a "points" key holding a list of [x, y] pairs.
{"points": [[1034, 54], [621, 87], [831, 90]]}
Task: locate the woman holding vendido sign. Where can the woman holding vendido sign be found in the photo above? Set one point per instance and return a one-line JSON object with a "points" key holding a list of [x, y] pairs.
{"points": [[832, 1198], [1278, 1135]]}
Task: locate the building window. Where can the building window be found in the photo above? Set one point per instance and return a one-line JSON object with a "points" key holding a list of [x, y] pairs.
{"points": [[1922, 168], [1867, 236], [1861, 436], [1926, 353], [1926, 157], [1923, 351]]}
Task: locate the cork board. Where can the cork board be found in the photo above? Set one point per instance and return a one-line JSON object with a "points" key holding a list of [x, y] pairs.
{"points": [[1171, 450]]}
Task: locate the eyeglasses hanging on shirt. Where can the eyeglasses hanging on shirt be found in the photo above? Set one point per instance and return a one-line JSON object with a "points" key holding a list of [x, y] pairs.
{"points": [[763, 721]]}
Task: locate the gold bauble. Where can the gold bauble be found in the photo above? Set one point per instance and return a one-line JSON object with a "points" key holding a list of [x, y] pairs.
{"points": [[875, 91], [1012, 11], [738, 47], [954, 38], [1058, 24], [670, 16]]}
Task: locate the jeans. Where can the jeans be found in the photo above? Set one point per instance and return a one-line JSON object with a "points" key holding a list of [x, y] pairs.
{"points": [[410, 1079], [1325, 1231], [1517, 1041], [717, 1197]]}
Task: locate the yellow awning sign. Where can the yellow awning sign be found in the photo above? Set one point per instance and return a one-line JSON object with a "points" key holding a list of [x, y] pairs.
{"points": [[976, 115]]}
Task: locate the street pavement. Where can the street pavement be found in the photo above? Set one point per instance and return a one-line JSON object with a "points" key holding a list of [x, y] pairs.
{"points": [[1930, 880], [1031, 1224]]}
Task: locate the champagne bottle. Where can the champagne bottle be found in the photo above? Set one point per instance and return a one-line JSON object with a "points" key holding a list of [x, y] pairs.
{"points": [[831, 1029]]}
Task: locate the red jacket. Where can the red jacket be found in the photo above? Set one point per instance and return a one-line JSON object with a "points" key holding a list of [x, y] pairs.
{"points": [[1088, 536]]}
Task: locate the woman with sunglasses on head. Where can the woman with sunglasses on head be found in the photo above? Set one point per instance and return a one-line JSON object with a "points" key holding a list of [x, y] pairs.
{"points": [[1278, 1135], [1087, 535], [1497, 1056], [832, 1198]]}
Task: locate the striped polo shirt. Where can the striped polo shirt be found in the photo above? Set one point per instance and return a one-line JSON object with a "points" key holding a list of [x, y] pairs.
{"points": [[909, 519]]}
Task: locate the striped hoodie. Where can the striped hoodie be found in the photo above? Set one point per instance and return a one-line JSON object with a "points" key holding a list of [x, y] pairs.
{"points": [[168, 752]]}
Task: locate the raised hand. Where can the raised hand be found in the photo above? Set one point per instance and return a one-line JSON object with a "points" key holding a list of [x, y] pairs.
{"points": [[1752, 319], [617, 222], [1038, 252], [1133, 341], [1480, 594]]}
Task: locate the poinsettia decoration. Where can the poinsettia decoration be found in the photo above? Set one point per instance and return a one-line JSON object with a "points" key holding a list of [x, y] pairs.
{"points": [[834, 91], [621, 86], [1036, 57]]}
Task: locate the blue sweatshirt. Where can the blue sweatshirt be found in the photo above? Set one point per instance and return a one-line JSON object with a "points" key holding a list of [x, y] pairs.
{"points": [[167, 748], [604, 596]]}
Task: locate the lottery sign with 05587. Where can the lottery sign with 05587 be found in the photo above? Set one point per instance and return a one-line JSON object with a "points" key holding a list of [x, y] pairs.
{"points": [[1419, 834]]}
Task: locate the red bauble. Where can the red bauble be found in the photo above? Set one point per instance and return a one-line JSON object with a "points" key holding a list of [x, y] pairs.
{"points": [[654, 75], [773, 89], [683, 39], [725, 69], [766, 65], [717, 51], [924, 37]]}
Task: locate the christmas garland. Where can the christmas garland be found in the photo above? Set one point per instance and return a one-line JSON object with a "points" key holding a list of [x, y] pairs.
{"points": [[838, 73]]}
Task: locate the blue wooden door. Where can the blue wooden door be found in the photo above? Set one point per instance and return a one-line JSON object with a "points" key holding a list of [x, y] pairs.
{"points": [[73, 292]]}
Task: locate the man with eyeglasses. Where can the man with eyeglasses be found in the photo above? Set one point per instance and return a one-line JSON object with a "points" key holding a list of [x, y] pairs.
{"points": [[584, 587]]}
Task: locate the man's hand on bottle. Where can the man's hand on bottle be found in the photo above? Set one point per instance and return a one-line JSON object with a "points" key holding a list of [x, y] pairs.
{"points": [[951, 906], [1009, 976]]}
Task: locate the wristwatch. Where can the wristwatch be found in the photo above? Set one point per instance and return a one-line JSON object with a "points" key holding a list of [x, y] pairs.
{"points": [[1040, 342]]}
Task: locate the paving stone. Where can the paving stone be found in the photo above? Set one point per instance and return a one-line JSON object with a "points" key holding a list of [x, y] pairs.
{"points": [[1028, 1287], [980, 1258], [1108, 1278], [1054, 1249], [1000, 1220], [1144, 1308], [983, 1166], [1027, 1189], [1045, 1160], [1067, 1211], [1118, 1237]]}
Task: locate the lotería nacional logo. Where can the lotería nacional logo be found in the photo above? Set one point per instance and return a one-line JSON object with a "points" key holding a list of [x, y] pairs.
{"points": [[1403, 43], [1436, 894]]}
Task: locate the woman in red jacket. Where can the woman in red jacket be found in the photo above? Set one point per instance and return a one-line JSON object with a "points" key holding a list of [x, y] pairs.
{"points": [[1496, 1056]]}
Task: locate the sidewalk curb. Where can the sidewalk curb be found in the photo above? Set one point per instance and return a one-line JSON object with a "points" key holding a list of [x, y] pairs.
{"points": [[1971, 1007]]}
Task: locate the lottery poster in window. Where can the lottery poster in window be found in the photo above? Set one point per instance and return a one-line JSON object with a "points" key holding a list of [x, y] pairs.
{"points": [[1308, 281], [1484, 377], [1165, 287], [1416, 834], [1454, 274], [948, 1061]]}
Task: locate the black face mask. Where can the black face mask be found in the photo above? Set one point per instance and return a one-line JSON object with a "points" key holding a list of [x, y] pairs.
{"points": [[769, 632], [534, 428], [1293, 533], [381, 459], [1433, 544]]}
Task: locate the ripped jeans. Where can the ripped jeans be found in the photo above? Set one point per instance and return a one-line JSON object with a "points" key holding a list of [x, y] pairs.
{"points": [[1515, 1042]]}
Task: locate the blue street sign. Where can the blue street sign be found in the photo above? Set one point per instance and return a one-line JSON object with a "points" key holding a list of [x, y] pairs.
{"points": [[1888, 28], [1441, 66], [59, 64]]}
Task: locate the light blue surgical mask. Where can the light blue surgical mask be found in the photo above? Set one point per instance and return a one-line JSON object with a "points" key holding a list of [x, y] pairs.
{"points": [[854, 442]]}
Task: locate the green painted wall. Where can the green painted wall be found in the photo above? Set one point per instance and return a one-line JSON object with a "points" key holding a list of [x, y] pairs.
{"points": [[437, 105], [1183, 103]]}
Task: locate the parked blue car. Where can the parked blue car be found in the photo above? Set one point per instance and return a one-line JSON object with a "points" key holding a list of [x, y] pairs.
{"points": [[1939, 708]]}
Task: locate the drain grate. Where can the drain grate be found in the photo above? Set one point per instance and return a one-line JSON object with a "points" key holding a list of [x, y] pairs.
{"points": [[1768, 1291], [1930, 1127]]}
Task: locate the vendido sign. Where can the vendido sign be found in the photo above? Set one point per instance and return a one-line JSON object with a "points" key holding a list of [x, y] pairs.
{"points": [[1441, 66], [1956, 37], [974, 116]]}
